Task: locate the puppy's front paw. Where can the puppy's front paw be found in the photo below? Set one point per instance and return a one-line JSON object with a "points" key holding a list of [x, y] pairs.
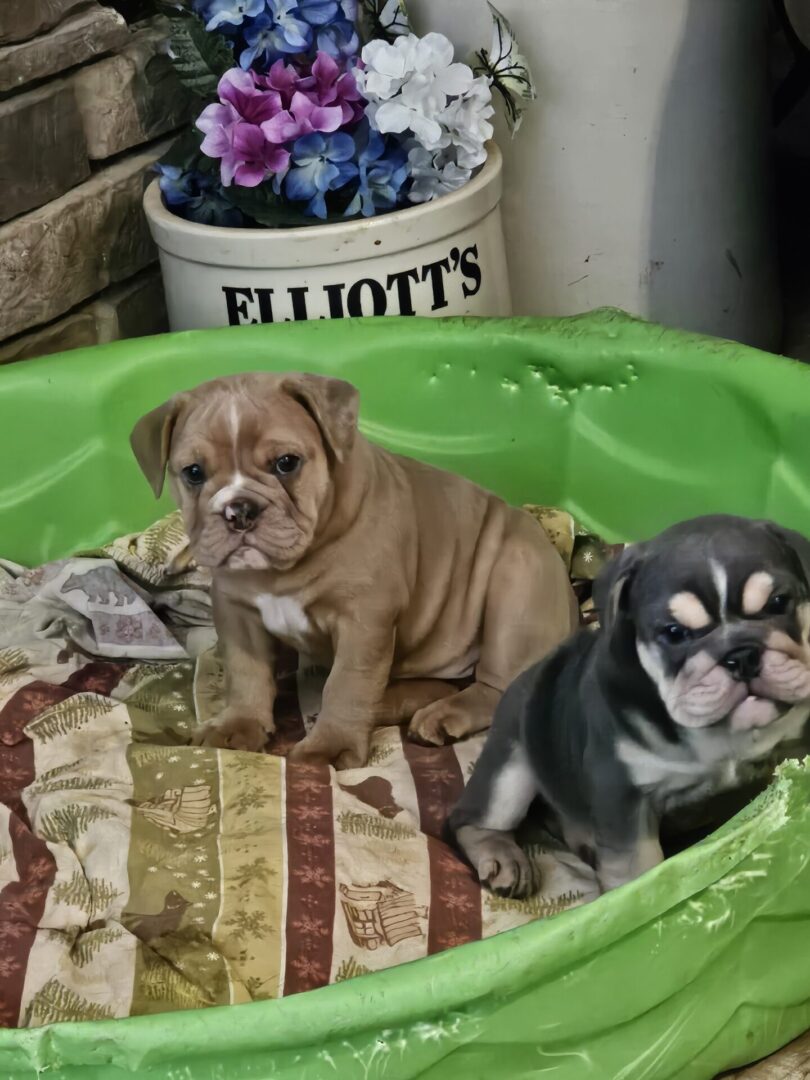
{"points": [[438, 724], [452, 718], [507, 873], [343, 749], [232, 733]]}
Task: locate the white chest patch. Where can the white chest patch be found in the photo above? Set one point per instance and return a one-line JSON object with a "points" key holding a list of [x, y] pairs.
{"points": [[284, 618], [710, 758]]}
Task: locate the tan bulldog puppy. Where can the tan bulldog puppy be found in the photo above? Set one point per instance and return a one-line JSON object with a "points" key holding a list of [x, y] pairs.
{"points": [[395, 575]]}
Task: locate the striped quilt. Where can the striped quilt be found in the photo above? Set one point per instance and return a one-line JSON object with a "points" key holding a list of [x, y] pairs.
{"points": [[139, 874]]}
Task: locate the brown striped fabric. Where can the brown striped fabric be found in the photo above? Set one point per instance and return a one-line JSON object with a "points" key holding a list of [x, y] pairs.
{"points": [[22, 902], [140, 874], [455, 908], [311, 879]]}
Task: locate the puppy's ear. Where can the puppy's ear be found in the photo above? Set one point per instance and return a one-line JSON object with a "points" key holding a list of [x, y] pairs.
{"points": [[151, 438], [611, 588], [334, 406], [797, 544]]}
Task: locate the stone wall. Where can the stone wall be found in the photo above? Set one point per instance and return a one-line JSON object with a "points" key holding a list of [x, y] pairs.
{"points": [[87, 104]]}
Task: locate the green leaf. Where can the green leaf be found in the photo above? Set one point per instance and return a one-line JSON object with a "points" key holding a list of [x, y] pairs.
{"points": [[200, 58], [75, 891], [55, 1003], [67, 823], [377, 827], [266, 208], [183, 152], [350, 969], [72, 714], [89, 943], [12, 662]]}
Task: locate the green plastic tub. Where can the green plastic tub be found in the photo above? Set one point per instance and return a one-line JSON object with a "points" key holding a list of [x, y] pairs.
{"points": [[702, 964]]}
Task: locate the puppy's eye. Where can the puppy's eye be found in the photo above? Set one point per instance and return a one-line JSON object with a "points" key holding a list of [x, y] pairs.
{"points": [[286, 465], [777, 605], [194, 475], [674, 633]]}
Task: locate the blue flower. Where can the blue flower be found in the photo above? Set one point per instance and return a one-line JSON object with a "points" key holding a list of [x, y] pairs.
{"points": [[274, 33], [334, 25], [196, 197], [339, 39], [319, 12], [227, 14], [382, 169], [321, 163], [174, 184]]}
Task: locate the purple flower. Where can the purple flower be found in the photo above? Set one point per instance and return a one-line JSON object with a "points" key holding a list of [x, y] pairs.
{"points": [[274, 33], [302, 118], [253, 158], [332, 86], [217, 122], [321, 163], [252, 103], [233, 133], [244, 153], [284, 79], [225, 15], [382, 168]]}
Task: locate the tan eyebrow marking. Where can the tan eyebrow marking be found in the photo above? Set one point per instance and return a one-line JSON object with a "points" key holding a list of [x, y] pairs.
{"points": [[756, 592], [688, 609]]}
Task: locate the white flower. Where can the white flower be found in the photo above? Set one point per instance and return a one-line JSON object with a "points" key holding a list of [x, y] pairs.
{"points": [[434, 173], [466, 120], [387, 68], [384, 67], [408, 84], [212, 956], [210, 896]]}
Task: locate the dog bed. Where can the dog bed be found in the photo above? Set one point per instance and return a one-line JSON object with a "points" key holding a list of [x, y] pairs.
{"points": [[139, 874], [698, 966]]}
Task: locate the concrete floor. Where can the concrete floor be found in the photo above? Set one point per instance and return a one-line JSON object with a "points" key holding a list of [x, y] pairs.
{"points": [[792, 1063]]}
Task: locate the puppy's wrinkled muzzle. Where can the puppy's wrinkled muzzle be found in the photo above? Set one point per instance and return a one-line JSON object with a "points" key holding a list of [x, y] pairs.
{"points": [[240, 515]]}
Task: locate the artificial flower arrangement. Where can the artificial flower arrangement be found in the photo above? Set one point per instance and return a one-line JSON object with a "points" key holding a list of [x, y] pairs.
{"points": [[324, 110]]}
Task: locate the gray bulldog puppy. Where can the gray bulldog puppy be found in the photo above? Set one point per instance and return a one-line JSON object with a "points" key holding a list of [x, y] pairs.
{"points": [[700, 670]]}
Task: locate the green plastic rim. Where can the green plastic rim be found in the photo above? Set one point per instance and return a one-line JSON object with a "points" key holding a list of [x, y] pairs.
{"points": [[700, 965]]}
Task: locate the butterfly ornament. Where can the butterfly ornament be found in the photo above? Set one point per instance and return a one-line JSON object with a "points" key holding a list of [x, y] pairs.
{"points": [[507, 69], [386, 19]]}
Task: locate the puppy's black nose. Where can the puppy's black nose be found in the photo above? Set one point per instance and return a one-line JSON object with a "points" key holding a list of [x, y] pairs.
{"points": [[241, 515], [744, 662]]}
